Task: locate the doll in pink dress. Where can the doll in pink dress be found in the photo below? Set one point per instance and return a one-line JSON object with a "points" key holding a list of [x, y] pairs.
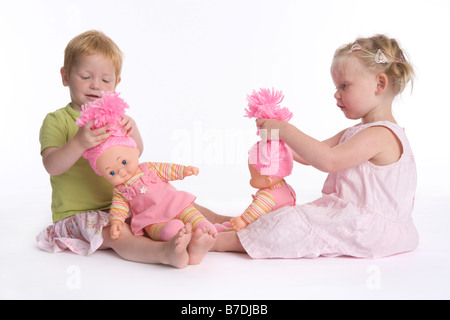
{"points": [[140, 188], [270, 161]]}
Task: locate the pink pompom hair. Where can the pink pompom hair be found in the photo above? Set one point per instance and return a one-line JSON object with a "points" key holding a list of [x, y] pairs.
{"points": [[107, 110], [271, 158], [265, 104]]}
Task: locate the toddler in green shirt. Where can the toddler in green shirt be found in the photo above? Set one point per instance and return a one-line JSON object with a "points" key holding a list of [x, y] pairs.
{"points": [[80, 198]]}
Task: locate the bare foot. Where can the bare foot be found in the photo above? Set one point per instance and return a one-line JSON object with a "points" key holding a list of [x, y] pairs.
{"points": [[177, 253], [202, 241]]}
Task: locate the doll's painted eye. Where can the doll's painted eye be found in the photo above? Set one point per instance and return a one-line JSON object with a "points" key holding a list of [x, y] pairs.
{"points": [[112, 173], [124, 162]]}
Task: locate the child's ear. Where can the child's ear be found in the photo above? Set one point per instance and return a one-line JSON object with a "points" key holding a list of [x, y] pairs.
{"points": [[382, 83], [269, 180], [64, 77], [117, 83]]}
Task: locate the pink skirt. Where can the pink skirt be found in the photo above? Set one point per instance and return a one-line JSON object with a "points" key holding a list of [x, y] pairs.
{"points": [[312, 230], [81, 233]]}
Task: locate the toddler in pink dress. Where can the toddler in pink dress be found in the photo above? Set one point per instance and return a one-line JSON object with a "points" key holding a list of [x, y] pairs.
{"points": [[368, 197], [365, 212]]}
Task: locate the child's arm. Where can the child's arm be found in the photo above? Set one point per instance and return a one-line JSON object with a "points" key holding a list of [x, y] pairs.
{"points": [[333, 141], [329, 156], [299, 159], [58, 160]]}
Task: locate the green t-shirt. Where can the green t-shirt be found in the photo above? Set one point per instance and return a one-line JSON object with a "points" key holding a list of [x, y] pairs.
{"points": [[79, 189]]}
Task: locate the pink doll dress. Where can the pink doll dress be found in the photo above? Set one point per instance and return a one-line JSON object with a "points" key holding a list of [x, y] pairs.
{"points": [[153, 200], [364, 212]]}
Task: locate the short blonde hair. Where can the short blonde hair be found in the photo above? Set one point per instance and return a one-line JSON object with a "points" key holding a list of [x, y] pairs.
{"points": [[93, 42], [396, 66]]}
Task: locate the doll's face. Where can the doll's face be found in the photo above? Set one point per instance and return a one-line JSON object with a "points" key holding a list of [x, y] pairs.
{"points": [[118, 164]]}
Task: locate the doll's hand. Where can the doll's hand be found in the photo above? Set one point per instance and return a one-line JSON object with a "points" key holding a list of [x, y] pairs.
{"points": [[116, 229], [238, 223], [190, 170]]}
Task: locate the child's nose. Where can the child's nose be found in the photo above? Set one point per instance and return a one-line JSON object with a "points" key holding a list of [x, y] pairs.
{"points": [[337, 96], [94, 84]]}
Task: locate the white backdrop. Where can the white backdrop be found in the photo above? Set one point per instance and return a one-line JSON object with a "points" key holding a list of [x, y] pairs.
{"points": [[187, 69]]}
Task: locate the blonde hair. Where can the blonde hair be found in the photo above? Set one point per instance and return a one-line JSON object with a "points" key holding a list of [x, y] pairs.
{"points": [[394, 63], [93, 42]]}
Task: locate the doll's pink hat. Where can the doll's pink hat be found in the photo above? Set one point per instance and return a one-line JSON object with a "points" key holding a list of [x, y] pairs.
{"points": [[109, 109], [271, 158]]}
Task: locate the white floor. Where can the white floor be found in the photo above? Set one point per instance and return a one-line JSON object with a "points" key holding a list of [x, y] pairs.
{"points": [[28, 273], [194, 67]]}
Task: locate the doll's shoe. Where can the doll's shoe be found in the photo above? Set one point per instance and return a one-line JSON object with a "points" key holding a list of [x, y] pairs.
{"points": [[170, 229]]}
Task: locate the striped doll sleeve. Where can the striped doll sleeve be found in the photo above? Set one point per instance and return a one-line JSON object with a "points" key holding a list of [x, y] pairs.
{"points": [[119, 207], [262, 204], [167, 171]]}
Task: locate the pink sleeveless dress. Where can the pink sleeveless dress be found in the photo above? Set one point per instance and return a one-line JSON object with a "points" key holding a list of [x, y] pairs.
{"points": [[364, 212]]}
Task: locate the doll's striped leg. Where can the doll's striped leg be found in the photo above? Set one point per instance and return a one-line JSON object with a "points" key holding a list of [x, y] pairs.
{"points": [[164, 231], [191, 215]]}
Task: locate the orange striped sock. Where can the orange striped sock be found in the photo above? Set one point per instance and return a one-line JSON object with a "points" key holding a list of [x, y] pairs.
{"points": [[191, 215]]}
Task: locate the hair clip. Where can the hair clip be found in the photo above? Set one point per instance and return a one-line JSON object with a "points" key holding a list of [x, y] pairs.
{"points": [[401, 59], [355, 47], [380, 57]]}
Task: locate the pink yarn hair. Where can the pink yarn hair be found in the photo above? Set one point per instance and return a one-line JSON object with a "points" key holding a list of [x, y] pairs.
{"points": [[265, 104], [272, 158], [107, 110]]}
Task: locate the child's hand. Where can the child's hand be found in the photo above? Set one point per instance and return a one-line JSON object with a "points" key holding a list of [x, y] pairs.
{"points": [[238, 223], [190, 170], [88, 138], [270, 128], [128, 125], [116, 229]]}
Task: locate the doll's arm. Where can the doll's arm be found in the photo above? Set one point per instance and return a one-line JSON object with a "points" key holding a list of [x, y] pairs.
{"points": [[116, 229], [171, 172], [189, 171], [262, 204], [118, 213]]}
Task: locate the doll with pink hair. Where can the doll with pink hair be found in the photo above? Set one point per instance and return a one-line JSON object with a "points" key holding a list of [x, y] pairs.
{"points": [[142, 189], [270, 161]]}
